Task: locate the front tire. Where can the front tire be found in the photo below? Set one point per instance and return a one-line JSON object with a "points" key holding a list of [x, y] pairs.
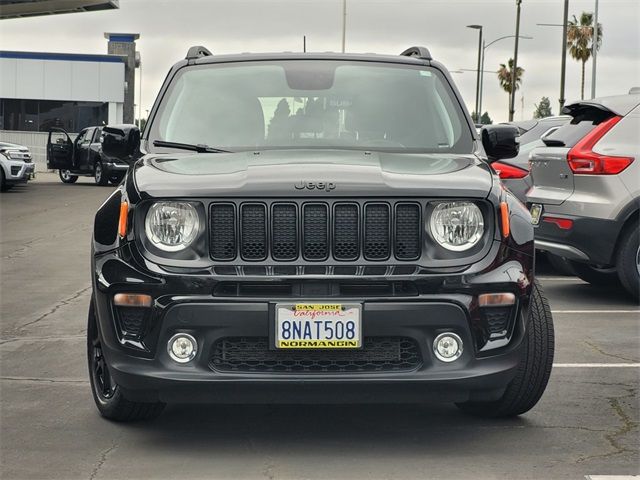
{"points": [[628, 260], [100, 175], [66, 177], [4, 186], [109, 399], [595, 274], [534, 369], [116, 179]]}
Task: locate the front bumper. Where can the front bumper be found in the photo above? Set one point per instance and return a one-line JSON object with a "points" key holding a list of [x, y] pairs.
{"points": [[112, 168], [18, 171], [192, 304]]}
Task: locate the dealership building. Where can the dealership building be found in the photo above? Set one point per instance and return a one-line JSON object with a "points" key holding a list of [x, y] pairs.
{"points": [[42, 90]]}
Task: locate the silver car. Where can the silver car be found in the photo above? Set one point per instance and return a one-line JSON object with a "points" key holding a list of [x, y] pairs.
{"points": [[514, 172], [585, 198]]}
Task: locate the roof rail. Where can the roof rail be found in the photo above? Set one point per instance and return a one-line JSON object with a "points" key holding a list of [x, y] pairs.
{"points": [[419, 52], [196, 52]]}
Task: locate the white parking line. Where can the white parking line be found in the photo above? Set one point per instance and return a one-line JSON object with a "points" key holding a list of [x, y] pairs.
{"points": [[612, 477], [596, 365], [596, 311], [562, 279]]}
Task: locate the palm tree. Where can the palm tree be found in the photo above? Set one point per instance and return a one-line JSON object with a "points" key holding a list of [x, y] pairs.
{"points": [[504, 77], [580, 41]]}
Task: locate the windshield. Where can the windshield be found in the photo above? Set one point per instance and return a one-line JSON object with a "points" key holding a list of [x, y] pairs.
{"points": [[313, 104]]}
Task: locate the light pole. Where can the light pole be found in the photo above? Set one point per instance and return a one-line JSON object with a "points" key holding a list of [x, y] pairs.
{"points": [[344, 24], [514, 70], [140, 96], [563, 71], [479, 28], [563, 65], [484, 48], [594, 47]]}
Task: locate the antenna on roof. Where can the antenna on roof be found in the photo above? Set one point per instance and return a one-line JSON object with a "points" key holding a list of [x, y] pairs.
{"points": [[418, 52]]}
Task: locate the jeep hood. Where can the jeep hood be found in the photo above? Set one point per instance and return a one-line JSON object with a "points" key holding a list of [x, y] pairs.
{"points": [[275, 173]]}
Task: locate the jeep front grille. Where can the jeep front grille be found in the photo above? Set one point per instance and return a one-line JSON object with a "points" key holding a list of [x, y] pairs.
{"points": [[315, 231]]}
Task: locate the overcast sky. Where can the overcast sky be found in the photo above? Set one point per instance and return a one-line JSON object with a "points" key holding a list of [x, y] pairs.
{"points": [[168, 27]]}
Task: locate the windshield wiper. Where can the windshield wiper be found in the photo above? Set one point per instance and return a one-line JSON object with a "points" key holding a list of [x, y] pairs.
{"points": [[200, 148]]}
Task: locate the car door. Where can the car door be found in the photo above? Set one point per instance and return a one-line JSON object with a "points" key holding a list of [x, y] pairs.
{"points": [[94, 147], [59, 150], [82, 147]]}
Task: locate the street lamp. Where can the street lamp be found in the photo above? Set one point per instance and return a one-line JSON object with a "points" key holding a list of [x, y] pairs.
{"points": [[484, 48], [563, 65], [514, 70], [479, 28], [594, 51], [344, 24]]}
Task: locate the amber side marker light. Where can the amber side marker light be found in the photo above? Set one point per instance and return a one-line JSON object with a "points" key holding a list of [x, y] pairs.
{"points": [[132, 300], [504, 218], [122, 222], [496, 299]]}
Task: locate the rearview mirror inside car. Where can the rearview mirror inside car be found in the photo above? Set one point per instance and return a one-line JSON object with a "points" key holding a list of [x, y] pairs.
{"points": [[121, 142], [500, 141]]}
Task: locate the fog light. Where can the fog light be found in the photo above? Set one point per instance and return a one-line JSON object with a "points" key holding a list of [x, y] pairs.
{"points": [[182, 347], [447, 347]]}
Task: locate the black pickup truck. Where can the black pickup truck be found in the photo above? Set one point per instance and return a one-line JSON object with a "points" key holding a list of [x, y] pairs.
{"points": [[304, 227], [82, 157]]}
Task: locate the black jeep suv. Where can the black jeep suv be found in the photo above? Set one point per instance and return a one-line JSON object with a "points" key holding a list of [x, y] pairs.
{"points": [[314, 228]]}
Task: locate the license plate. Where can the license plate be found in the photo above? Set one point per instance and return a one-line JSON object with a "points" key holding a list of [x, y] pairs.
{"points": [[536, 212], [318, 325]]}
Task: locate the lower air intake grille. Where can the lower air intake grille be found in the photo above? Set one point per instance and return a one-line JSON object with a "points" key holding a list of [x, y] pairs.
{"points": [[253, 355], [497, 320], [131, 320]]}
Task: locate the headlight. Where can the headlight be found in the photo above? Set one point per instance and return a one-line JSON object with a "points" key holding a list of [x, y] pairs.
{"points": [[457, 226], [171, 226], [12, 154]]}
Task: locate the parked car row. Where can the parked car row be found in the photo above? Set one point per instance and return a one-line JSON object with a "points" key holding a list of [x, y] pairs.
{"points": [[16, 165], [585, 193]]}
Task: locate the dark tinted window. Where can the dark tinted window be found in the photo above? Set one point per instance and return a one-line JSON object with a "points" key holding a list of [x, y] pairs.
{"points": [[42, 115], [581, 124]]}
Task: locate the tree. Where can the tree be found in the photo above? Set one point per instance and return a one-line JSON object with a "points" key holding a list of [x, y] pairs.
{"points": [[543, 109], [580, 41], [504, 77], [141, 124], [485, 119]]}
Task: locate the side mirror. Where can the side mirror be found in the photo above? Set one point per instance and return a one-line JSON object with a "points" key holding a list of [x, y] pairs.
{"points": [[121, 142], [500, 141]]}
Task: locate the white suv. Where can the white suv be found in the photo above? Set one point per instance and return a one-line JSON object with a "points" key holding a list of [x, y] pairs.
{"points": [[17, 165]]}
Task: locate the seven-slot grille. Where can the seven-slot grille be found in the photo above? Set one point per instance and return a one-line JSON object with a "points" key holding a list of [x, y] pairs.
{"points": [[315, 231]]}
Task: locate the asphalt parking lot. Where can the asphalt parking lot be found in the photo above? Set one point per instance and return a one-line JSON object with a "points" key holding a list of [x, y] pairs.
{"points": [[586, 423]]}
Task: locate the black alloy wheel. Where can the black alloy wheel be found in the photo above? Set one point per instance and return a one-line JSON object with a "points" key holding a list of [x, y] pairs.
{"points": [[99, 174], [67, 177]]}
